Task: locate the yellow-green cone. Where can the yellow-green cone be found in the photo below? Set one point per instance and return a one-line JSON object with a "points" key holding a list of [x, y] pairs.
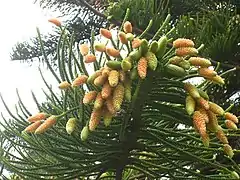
{"points": [[133, 74], [190, 105], [228, 150], [162, 46], [175, 70], [185, 64], [71, 125], [127, 89], [126, 65], [144, 46], [107, 117], [113, 78], [118, 95], [84, 133], [216, 109], [114, 64], [203, 94], [212, 125], [192, 90], [175, 60], [152, 60], [154, 47], [135, 55]]}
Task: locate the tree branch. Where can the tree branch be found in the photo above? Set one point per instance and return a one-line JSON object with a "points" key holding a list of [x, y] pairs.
{"points": [[118, 23]]}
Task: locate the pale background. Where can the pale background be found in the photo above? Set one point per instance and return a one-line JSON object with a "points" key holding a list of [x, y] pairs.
{"points": [[19, 19]]}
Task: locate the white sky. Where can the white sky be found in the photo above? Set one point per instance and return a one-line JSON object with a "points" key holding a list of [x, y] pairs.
{"points": [[19, 19]]}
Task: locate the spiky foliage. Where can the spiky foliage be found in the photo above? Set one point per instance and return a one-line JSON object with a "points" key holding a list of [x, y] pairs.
{"points": [[151, 136]]}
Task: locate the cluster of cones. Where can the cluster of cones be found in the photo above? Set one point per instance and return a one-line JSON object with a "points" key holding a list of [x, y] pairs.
{"points": [[179, 64], [205, 117], [40, 123]]}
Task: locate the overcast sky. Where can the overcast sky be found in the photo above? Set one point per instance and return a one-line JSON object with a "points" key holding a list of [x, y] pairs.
{"points": [[19, 19]]}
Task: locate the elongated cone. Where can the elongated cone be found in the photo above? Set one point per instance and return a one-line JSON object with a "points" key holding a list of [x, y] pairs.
{"points": [[154, 47], [109, 104], [49, 122], [234, 175], [89, 58], [199, 122], [127, 89], [84, 49], [182, 42], [84, 133], [142, 67], [175, 60], [231, 117], [135, 55], [126, 65], [136, 42], [100, 47], [204, 114], [217, 79], [55, 21], [231, 125], [133, 73], [94, 76], [212, 125], [89, 97], [116, 65], [162, 46], [186, 51], [95, 119], [192, 90], [106, 90], [122, 76], [122, 37], [107, 117], [38, 117], [221, 135], [106, 33], [205, 139], [185, 64], [32, 127], [206, 72], [175, 70], [197, 61], [118, 95], [64, 85], [113, 78], [112, 52], [152, 60], [190, 105], [99, 101], [127, 27], [80, 80], [144, 47], [216, 109], [71, 125], [203, 103], [100, 80], [228, 150], [203, 94]]}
